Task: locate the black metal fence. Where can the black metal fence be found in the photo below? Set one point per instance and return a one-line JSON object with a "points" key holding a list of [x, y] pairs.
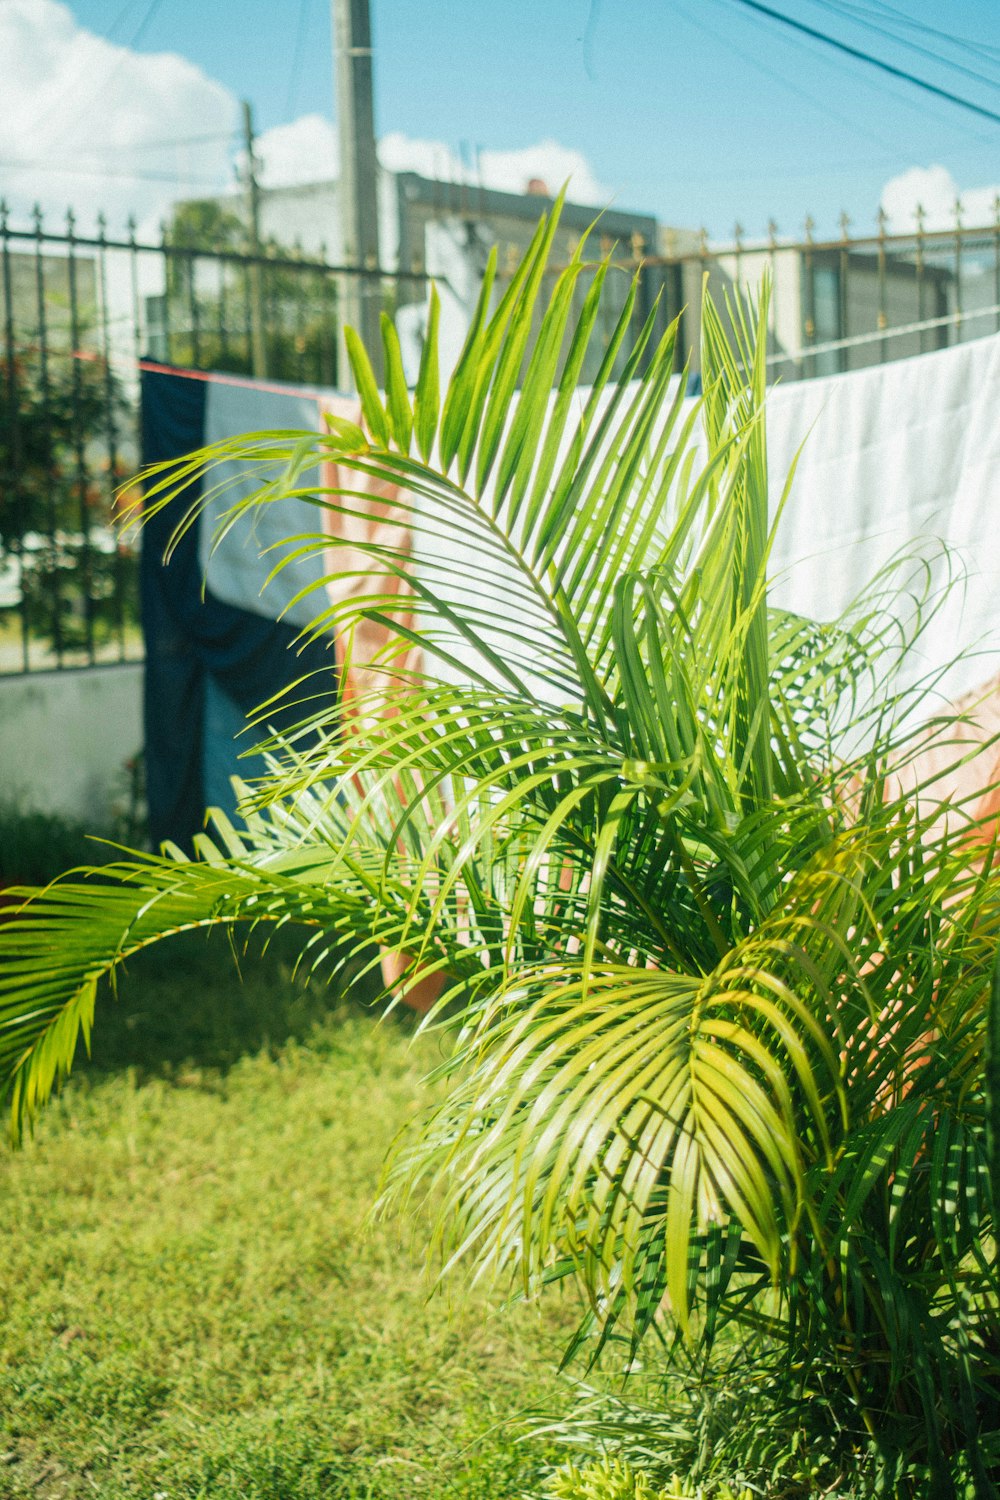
{"points": [[837, 304], [79, 314]]}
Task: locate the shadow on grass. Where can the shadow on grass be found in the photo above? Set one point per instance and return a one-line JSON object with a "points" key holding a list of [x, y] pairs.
{"points": [[195, 1000]]}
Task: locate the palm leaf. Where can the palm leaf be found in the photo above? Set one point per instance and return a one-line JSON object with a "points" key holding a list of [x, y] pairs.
{"points": [[722, 999]]}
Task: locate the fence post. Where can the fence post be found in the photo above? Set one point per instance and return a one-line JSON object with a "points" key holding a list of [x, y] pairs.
{"points": [[772, 316], [110, 425], [45, 394], [258, 347], [881, 219], [808, 300], [165, 250], [133, 264], [958, 270], [14, 433], [76, 406], [843, 357], [920, 216]]}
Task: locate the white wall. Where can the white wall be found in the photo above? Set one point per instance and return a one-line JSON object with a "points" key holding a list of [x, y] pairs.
{"points": [[65, 738]]}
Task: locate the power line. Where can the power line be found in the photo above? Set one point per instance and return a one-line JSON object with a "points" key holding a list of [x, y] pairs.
{"points": [[297, 55], [875, 62], [779, 78], [170, 141], [147, 18], [962, 43], [124, 51], [906, 97], [119, 18], [851, 12], [16, 164]]}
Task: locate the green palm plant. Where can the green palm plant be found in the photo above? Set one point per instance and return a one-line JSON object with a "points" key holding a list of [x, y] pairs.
{"points": [[719, 1001]]}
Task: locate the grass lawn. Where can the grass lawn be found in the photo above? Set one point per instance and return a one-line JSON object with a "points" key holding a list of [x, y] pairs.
{"points": [[191, 1306]]}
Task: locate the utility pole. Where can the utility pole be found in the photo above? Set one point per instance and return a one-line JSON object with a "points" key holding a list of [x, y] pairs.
{"points": [[361, 296], [258, 347]]}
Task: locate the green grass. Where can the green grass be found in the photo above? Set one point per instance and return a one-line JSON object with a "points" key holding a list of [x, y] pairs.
{"points": [[35, 846], [191, 1305]]}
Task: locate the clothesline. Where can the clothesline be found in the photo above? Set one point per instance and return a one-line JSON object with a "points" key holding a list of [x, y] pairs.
{"points": [[779, 357], [183, 372], [854, 340], [894, 453]]}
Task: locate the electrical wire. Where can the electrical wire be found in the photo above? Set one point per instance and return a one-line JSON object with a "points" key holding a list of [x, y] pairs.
{"points": [[589, 34], [125, 49], [900, 92], [817, 103], [119, 18], [162, 145], [908, 23], [146, 20], [297, 56], [859, 54], [60, 169], [850, 12]]}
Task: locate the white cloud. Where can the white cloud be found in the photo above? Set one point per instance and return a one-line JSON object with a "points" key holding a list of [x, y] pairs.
{"points": [[509, 171], [404, 153], [935, 190], [549, 162], [305, 150], [89, 124], [84, 122]]}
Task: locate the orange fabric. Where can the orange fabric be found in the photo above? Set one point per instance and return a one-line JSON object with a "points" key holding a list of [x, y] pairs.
{"points": [[370, 658], [957, 771], [953, 777]]}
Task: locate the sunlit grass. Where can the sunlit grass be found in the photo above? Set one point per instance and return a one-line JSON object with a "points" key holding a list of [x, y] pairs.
{"points": [[191, 1305]]}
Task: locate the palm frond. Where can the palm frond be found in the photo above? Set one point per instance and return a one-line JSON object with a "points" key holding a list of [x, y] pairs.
{"points": [[721, 990]]}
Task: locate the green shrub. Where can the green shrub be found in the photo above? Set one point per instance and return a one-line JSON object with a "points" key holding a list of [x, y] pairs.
{"points": [[718, 1000], [612, 1479], [37, 846]]}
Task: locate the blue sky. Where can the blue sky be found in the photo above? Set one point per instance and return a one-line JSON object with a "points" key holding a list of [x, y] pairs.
{"points": [[699, 111]]}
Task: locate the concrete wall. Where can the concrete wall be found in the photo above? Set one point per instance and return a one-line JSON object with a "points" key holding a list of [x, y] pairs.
{"points": [[65, 738]]}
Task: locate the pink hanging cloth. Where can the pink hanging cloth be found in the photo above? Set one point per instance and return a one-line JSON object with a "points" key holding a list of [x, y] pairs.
{"points": [[372, 660]]}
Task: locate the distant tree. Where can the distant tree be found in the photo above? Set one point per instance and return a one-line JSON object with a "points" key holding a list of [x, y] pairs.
{"points": [[208, 308], [76, 581]]}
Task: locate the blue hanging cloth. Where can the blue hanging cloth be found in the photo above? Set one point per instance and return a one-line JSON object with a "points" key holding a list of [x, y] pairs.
{"points": [[209, 663]]}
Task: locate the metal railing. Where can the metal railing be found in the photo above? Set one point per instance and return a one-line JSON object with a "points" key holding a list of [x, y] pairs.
{"points": [[79, 316], [837, 304]]}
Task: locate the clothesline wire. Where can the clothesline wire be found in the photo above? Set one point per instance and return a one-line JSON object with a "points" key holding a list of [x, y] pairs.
{"points": [[854, 340], [211, 377], [788, 356]]}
